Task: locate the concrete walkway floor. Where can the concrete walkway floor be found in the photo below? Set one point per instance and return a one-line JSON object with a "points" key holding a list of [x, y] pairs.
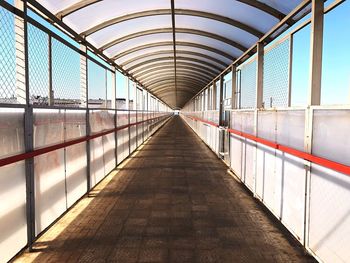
{"points": [[172, 201]]}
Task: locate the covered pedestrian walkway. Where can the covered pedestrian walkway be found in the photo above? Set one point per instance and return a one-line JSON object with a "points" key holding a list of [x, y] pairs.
{"points": [[173, 200], [175, 130]]}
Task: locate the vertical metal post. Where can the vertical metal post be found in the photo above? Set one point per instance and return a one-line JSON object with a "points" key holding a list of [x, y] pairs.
{"points": [[84, 103], [20, 39], [114, 107], [221, 104], [314, 97], [128, 108], [260, 76], [316, 45], [51, 94], [106, 90], [137, 113], [290, 70], [234, 87], [259, 100], [309, 112], [22, 95]]}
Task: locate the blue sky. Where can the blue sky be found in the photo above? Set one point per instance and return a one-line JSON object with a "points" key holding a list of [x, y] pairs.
{"points": [[335, 75]]}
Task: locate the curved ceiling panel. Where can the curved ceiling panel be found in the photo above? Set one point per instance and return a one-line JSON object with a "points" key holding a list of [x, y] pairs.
{"points": [[165, 53], [172, 47], [127, 28]]}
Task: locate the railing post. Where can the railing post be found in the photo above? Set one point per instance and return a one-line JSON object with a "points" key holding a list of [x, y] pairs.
{"points": [[314, 98], [260, 76], [128, 109], [234, 87], [316, 45], [84, 103], [114, 107], [51, 94], [259, 103], [22, 96], [221, 104]]}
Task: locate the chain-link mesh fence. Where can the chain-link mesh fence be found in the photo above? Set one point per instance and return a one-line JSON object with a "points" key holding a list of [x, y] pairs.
{"points": [[97, 85], [247, 84], [65, 79], [7, 57], [276, 75], [38, 62]]}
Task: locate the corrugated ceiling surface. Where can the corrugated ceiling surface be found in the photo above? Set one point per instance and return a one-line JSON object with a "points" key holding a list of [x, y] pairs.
{"points": [[138, 35]]}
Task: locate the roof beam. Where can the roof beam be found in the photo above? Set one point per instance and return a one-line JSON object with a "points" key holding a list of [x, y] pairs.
{"points": [[168, 52], [172, 11], [149, 68], [181, 77], [169, 83], [167, 91], [253, 3], [170, 43], [170, 30], [75, 7], [210, 65], [160, 70], [174, 43], [183, 80], [267, 9], [180, 72]]}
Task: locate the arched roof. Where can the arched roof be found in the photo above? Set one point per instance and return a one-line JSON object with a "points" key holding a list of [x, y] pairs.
{"points": [[172, 46]]}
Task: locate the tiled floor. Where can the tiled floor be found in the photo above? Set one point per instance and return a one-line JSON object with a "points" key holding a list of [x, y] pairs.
{"points": [[173, 201]]}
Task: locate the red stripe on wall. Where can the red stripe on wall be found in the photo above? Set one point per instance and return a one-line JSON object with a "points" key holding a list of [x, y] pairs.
{"points": [[300, 154], [27, 155]]}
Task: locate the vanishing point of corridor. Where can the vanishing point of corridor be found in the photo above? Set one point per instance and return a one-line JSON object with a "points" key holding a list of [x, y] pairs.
{"points": [[173, 200]]}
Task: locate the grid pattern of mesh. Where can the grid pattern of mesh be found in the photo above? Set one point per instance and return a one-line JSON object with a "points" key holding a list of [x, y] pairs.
{"points": [[38, 55], [248, 84], [97, 85], [7, 57], [65, 79], [276, 75]]}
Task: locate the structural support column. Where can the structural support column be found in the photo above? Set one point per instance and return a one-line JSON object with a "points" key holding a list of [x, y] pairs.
{"points": [[260, 76], [21, 70], [114, 107], [314, 98], [221, 104], [22, 97], [83, 79], [51, 93], [234, 87], [84, 104], [314, 94]]}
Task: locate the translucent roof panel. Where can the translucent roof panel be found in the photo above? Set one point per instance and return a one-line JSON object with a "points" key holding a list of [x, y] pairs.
{"points": [[105, 10], [128, 28], [140, 36], [122, 47]]}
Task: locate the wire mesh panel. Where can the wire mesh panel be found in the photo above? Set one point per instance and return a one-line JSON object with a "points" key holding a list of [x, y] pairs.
{"points": [[7, 57], [276, 75], [65, 79], [97, 85], [247, 84], [38, 55]]}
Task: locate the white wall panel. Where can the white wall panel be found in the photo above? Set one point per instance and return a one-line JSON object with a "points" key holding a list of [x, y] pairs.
{"points": [[49, 169], [50, 193], [13, 225], [329, 228]]}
